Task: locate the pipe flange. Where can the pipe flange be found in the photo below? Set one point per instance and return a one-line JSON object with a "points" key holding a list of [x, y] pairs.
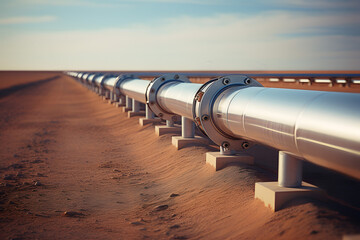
{"points": [[92, 81], [203, 108], [119, 80], [151, 95], [108, 75]]}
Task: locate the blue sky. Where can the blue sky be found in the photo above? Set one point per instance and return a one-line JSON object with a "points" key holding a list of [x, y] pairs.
{"points": [[180, 35]]}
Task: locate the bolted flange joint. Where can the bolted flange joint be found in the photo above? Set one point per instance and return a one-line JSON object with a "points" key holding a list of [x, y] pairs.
{"points": [[102, 79], [91, 81], [119, 80], [151, 95], [203, 106]]}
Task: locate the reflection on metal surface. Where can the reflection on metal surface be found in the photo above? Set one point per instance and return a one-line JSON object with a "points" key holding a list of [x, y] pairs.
{"points": [[178, 98], [134, 88]]}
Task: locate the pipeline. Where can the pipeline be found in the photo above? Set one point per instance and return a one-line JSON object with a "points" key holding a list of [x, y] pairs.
{"points": [[236, 112]]}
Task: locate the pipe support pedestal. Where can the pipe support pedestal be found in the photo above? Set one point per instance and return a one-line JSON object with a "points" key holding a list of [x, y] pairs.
{"points": [[187, 128], [290, 170], [135, 106], [149, 117], [187, 135], [128, 104], [135, 109]]}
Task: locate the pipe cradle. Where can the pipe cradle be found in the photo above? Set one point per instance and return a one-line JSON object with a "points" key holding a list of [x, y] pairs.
{"points": [[321, 127]]}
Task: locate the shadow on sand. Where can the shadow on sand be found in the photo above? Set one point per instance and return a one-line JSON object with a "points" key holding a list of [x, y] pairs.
{"points": [[10, 90]]}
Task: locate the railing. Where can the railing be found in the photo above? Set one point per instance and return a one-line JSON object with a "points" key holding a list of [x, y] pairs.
{"points": [[236, 111]]}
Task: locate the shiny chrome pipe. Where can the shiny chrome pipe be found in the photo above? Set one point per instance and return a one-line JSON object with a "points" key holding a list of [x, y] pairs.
{"points": [[134, 88], [321, 127], [109, 83], [178, 98]]}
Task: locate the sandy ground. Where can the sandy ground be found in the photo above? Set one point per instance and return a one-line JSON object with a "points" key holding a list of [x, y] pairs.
{"points": [[65, 150]]}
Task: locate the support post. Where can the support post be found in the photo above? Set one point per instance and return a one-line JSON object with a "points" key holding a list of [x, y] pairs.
{"points": [[121, 101], [115, 97], [111, 96], [187, 128], [106, 95], [148, 113], [290, 170], [187, 135], [128, 104], [135, 106], [135, 109]]}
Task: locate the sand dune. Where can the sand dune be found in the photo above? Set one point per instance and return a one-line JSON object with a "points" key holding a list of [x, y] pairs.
{"points": [[75, 167]]}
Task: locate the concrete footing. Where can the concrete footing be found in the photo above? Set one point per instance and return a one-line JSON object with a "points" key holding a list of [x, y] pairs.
{"points": [[180, 142], [125, 109], [219, 161], [145, 121], [119, 105], [275, 196], [133, 114], [161, 130]]}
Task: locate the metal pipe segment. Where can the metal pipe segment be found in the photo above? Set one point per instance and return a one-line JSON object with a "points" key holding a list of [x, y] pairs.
{"points": [[178, 98], [109, 83], [321, 127], [134, 88], [234, 111]]}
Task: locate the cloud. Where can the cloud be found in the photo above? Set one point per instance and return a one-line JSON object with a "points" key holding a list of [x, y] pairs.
{"points": [[24, 19], [225, 42]]}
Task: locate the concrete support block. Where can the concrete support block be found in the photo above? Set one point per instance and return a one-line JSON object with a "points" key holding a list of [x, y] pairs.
{"points": [[145, 121], [219, 161], [275, 196], [125, 109], [161, 130], [133, 114], [180, 142], [119, 105]]}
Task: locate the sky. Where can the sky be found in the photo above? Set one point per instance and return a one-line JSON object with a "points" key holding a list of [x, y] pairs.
{"points": [[179, 35]]}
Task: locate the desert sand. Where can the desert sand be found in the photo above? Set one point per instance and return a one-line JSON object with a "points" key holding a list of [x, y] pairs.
{"points": [[73, 166]]}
